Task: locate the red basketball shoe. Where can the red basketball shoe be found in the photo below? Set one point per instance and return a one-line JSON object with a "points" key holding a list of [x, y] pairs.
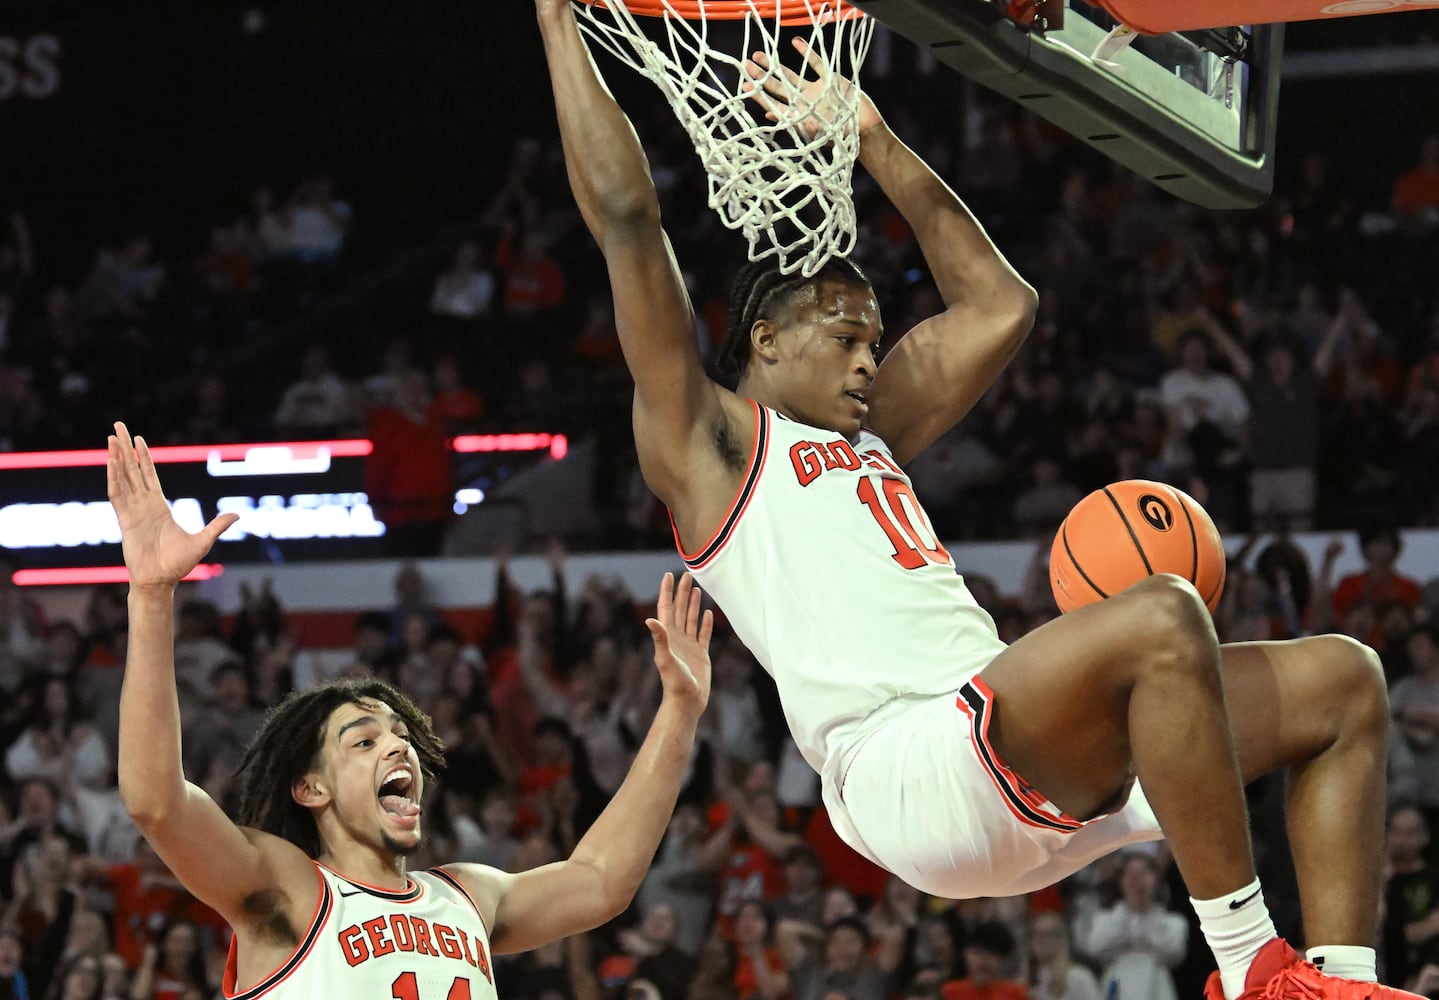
{"points": [[1278, 973]]}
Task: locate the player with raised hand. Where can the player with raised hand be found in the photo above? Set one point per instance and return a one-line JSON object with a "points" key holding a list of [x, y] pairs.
{"points": [[313, 878], [964, 766]]}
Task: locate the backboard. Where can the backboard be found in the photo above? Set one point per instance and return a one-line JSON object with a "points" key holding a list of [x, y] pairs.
{"points": [[1194, 112]]}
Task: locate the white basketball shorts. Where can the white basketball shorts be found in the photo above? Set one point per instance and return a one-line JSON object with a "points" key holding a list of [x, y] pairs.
{"points": [[929, 799]]}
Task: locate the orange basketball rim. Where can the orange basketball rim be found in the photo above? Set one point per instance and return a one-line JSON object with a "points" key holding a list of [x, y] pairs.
{"points": [[787, 12]]}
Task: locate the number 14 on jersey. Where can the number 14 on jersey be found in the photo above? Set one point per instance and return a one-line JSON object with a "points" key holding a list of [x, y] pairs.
{"points": [[406, 988]]}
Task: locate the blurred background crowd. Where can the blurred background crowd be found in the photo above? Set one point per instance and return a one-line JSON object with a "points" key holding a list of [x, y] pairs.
{"points": [[542, 706], [1280, 364]]}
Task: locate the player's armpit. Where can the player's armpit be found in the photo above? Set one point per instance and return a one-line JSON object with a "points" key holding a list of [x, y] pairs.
{"points": [[242, 873], [712, 467]]}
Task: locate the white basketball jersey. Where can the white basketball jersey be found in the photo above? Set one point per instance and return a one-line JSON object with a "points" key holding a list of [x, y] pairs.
{"points": [[364, 943], [828, 570]]}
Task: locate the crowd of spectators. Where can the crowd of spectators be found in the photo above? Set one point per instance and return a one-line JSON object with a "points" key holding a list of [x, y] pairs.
{"points": [[752, 895]]}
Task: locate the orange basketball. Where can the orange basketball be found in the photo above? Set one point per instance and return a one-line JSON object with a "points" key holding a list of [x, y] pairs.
{"points": [[1117, 536]]}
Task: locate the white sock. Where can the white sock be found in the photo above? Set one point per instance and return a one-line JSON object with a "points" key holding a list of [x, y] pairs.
{"points": [[1344, 961], [1236, 925]]}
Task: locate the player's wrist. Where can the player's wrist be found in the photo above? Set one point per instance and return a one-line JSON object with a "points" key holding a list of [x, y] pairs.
{"points": [[152, 591], [550, 10], [874, 134], [686, 708]]}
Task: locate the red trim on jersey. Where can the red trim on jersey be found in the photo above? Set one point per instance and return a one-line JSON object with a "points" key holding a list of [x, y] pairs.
{"points": [[715, 545], [1023, 800], [413, 891], [451, 879], [323, 907]]}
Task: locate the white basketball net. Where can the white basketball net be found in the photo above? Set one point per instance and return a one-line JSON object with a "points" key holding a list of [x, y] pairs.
{"points": [[762, 174]]}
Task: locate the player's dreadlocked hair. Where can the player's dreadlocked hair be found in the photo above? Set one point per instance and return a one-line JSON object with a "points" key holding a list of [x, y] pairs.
{"points": [[759, 291], [288, 746]]}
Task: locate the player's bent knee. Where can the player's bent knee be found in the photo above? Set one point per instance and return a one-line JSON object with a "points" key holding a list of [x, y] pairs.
{"points": [[1358, 671], [1168, 583], [1174, 613], [1172, 633]]}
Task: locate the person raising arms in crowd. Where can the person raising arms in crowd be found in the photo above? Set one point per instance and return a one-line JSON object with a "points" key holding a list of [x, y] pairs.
{"points": [[312, 877]]}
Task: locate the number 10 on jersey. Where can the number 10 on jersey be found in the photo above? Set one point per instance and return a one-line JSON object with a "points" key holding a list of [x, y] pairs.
{"points": [[898, 512]]}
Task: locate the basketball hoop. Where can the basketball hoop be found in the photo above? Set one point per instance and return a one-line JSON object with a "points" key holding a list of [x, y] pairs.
{"points": [[787, 190], [790, 13]]}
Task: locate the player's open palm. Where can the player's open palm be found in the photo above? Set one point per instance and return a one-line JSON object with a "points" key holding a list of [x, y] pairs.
{"points": [[682, 641], [158, 552]]}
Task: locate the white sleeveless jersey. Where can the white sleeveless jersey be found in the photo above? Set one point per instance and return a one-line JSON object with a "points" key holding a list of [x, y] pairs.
{"points": [[828, 570], [364, 943]]}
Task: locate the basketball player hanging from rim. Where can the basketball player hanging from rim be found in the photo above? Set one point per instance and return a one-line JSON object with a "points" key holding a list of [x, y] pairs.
{"points": [[313, 878], [966, 767]]}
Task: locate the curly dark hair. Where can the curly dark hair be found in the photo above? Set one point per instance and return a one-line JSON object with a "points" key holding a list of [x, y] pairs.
{"points": [[288, 746], [760, 290]]}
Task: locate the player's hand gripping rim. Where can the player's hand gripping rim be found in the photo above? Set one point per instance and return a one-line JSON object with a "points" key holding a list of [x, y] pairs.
{"points": [[811, 105]]}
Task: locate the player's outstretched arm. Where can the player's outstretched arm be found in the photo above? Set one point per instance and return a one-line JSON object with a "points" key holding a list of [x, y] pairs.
{"points": [[597, 882], [609, 174], [214, 858]]}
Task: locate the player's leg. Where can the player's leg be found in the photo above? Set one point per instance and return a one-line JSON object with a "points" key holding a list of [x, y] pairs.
{"points": [[1138, 677], [1132, 682], [1319, 708]]}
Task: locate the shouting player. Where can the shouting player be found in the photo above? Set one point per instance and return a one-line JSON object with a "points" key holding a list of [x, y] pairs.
{"points": [[313, 879], [966, 767]]}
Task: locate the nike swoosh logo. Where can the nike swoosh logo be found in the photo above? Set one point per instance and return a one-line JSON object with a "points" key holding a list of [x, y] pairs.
{"points": [[356, 892], [1234, 904]]}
